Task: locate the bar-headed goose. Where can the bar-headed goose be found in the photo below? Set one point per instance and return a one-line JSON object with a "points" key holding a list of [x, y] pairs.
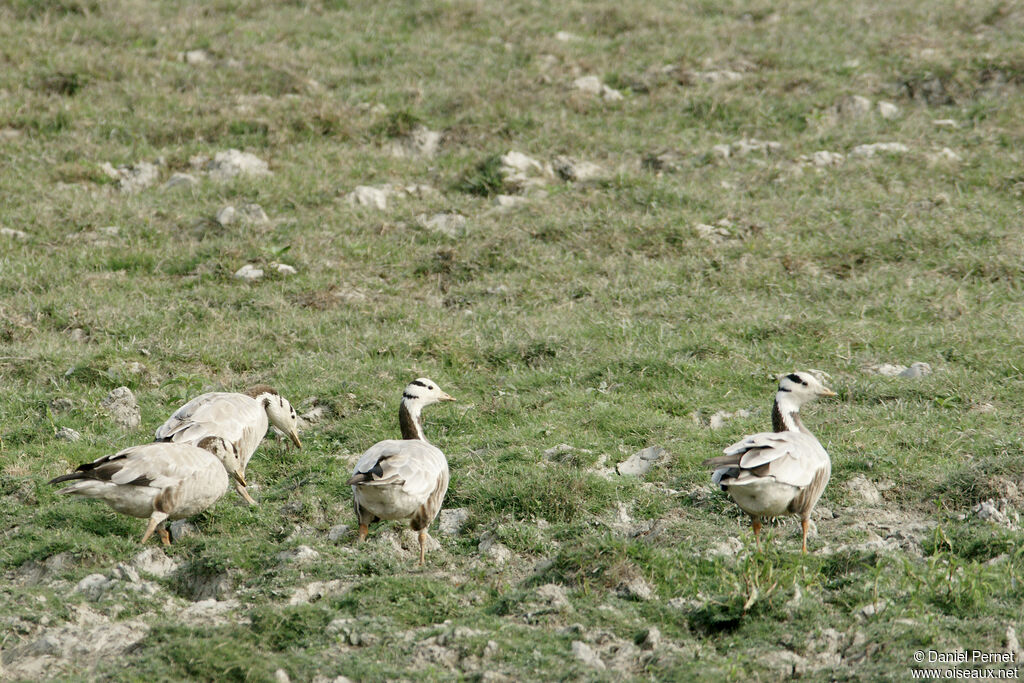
{"points": [[404, 479], [160, 481], [240, 419], [781, 472]]}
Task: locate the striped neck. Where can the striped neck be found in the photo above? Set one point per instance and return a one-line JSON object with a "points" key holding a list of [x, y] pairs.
{"points": [[409, 419], [786, 414]]}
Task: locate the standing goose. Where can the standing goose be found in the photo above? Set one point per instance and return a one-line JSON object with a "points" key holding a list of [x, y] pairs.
{"points": [[160, 481], [781, 472], [404, 479], [240, 419]]}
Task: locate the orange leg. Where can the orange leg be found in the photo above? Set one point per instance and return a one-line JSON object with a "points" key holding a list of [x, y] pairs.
{"points": [[756, 523], [423, 546], [165, 536], [363, 530], [803, 525]]}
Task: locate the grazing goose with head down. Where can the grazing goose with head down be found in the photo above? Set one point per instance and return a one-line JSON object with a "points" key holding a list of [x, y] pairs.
{"points": [[404, 479], [160, 481], [781, 472], [240, 419]]}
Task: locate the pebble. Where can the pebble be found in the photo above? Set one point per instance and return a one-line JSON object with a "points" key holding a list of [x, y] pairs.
{"points": [[863, 490], [716, 76], [232, 163], [640, 463], [448, 224], [249, 273], [286, 270], [197, 57], [868, 151], [134, 178], [301, 554], [420, 143], [13, 234], [68, 434], [339, 532], [492, 548], [577, 171], [586, 654], [121, 405], [373, 197], [452, 521]]}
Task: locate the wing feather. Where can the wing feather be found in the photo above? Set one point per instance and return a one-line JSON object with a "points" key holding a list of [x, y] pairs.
{"points": [[414, 465], [789, 457]]}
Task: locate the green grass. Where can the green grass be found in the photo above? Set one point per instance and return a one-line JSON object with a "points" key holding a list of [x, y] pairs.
{"points": [[593, 315]]}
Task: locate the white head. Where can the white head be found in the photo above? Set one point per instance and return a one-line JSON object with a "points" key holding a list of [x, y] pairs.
{"points": [[227, 454], [798, 388], [417, 394], [279, 411]]}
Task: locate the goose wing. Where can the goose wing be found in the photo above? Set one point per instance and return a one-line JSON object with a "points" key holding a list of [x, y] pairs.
{"points": [[158, 465], [234, 417], [790, 457], [414, 465]]}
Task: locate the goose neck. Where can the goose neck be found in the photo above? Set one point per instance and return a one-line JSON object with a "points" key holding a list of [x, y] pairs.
{"points": [[786, 415], [410, 421]]}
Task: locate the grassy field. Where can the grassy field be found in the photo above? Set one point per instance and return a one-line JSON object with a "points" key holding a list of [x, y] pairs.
{"points": [[596, 313]]}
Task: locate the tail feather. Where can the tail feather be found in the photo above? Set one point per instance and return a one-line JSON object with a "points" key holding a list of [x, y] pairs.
{"points": [[723, 461]]}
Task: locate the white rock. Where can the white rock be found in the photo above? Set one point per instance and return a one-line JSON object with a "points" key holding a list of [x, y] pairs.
{"points": [[822, 159], [373, 197], [863, 490], [718, 420], [728, 547], [641, 462], [717, 76], [281, 676], [651, 639], [249, 273], [13, 234], [871, 609], [121, 405], [448, 224], [492, 548], [520, 163], [586, 654], [997, 512], [421, 142], [712, 233], [636, 589], [888, 110], [94, 586], [854, 105], [253, 214], [946, 154], [315, 591], [945, 123], [565, 37], [589, 84], [916, 370], [227, 215], [197, 57], [153, 561], [577, 171], [868, 151], [131, 179], [232, 163], [181, 180], [182, 528], [452, 521], [209, 612], [300, 555], [338, 533], [285, 269], [554, 596], [508, 201], [68, 434]]}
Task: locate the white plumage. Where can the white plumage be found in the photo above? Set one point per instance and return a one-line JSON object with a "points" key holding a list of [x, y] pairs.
{"points": [[240, 419], [403, 479], [158, 480], [782, 472]]}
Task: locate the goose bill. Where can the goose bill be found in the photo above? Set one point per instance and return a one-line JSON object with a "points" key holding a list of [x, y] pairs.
{"points": [[294, 436], [445, 397]]}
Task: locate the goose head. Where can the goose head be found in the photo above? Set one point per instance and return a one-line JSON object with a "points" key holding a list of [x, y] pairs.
{"points": [[279, 411], [416, 395], [802, 387], [227, 454]]}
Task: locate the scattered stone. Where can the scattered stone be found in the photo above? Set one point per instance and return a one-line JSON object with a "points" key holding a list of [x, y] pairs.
{"points": [[281, 676], [61, 405], [718, 420], [784, 662], [132, 179], [650, 639], [315, 591], [944, 154], [508, 201], [301, 555], [286, 270], [420, 143], [715, 76], [121, 405], [824, 159], [997, 512], [232, 163], [33, 572], [945, 123], [339, 533], [915, 371], [153, 561], [664, 161], [888, 110], [1012, 643], [520, 172], [13, 234], [728, 547], [182, 528], [745, 147], [871, 609], [554, 596], [715, 234], [197, 57], [565, 37], [68, 434], [452, 521], [636, 588], [210, 612], [641, 462], [862, 490], [181, 180], [575, 171], [249, 273], [373, 197], [101, 237], [853, 106], [253, 214], [79, 335], [592, 85], [94, 586], [493, 549], [586, 654], [868, 151], [448, 224], [227, 216]]}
